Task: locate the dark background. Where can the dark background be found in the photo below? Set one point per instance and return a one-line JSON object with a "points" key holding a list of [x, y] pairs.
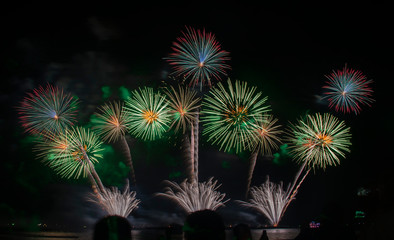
{"points": [[283, 50]]}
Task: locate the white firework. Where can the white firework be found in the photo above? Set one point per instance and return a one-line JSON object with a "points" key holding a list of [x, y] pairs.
{"points": [[270, 199], [195, 196], [116, 203]]}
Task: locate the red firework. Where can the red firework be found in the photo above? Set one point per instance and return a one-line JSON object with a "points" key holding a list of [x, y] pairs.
{"points": [[198, 57]]}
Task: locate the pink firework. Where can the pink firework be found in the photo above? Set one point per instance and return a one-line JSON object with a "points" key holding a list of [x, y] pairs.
{"points": [[198, 57], [348, 90]]}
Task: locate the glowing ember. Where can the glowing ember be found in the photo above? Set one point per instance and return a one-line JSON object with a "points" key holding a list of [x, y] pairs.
{"points": [[324, 140], [114, 121], [238, 115], [150, 116]]}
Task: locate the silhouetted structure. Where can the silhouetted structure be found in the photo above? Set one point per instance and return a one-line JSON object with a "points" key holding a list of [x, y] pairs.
{"points": [[242, 232], [264, 235], [112, 228], [204, 224]]}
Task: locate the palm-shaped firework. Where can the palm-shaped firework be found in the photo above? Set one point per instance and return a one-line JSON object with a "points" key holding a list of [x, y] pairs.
{"points": [[229, 114], [184, 107], [348, 90], [72, 154], [111, 123], [197, 56], [317, 141], [263, 139], [195, 196], [147, 113], [47, 110]]}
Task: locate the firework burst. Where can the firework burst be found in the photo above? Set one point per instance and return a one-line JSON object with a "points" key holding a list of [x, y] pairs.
{"points": [[266, 137], [47, 110], [347, 90], [195, 196], [229, 114], [197, 56], [147, 113], [116, 203], [269, 199], [184, 105], [319, 140], [111, 122], [71, 153]]}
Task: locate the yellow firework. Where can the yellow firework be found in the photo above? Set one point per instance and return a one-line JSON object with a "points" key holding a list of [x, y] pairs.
{"points": [[184, 105], [110, 122]]}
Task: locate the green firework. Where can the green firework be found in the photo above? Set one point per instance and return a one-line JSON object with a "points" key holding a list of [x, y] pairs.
{"points": [[111, 121], [147, 113], [72, 152], [229, 114], [184, 105], [319, 140]]}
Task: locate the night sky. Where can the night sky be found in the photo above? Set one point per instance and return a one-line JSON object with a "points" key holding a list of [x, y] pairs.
{"points": [[283, 50]]}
